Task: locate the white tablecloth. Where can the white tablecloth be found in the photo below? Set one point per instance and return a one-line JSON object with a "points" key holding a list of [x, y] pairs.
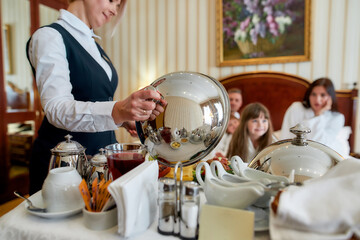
{"points": [[19, 224]]}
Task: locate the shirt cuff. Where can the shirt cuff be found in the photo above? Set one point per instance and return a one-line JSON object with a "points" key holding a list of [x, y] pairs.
{"points": [[102, 112]]}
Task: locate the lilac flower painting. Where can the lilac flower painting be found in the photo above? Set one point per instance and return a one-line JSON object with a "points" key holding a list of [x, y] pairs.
{"points": [[263, 31]]}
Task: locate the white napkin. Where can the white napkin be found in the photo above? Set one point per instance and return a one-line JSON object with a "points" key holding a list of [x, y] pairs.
{"points": [[328, 205], [135, 195]]}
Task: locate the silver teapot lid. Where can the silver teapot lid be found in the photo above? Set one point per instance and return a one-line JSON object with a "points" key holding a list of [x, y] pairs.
{"points": [[68, 146], [100, 158]]}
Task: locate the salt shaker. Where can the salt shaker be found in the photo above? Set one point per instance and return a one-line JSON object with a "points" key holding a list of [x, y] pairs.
{"points": [[167, 206], [190, 204]]}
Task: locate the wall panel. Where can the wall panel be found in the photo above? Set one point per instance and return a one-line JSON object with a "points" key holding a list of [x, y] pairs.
{"points": [[336, 39], [320, 38]]}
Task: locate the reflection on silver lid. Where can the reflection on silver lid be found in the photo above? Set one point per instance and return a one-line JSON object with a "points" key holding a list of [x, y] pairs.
{"points": [[193, 122]]}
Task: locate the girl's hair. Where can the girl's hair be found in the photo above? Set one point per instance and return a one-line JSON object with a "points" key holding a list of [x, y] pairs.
{"points": [[329, 87], [240, 139]]}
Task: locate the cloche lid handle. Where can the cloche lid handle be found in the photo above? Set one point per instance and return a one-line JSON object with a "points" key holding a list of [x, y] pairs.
{"points": [[300, 131]]}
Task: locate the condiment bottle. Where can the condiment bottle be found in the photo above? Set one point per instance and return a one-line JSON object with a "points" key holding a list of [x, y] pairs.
{"points": [[167, 206], [190, 205]]}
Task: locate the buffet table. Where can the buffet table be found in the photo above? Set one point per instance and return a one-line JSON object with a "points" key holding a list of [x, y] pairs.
{"points": [[19, 224]]}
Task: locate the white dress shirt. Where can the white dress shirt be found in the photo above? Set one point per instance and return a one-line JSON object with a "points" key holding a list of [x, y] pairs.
{"points": [[48, 56]]}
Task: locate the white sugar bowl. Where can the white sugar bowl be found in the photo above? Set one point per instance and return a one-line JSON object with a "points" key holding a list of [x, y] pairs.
{"points": [[60, 190]]}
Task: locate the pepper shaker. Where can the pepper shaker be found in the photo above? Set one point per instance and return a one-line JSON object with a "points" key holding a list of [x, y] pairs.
{"points": [[190, 205], [98, 168], [167, 206]]}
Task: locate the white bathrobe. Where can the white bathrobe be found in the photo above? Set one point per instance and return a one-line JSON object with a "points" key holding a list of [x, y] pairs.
{"points": [[324, 128]]}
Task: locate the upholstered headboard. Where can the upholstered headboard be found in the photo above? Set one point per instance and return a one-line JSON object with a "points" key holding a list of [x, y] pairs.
{"points": [[277, 91]]}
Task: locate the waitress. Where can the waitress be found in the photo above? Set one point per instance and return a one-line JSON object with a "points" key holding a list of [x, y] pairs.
{"points": [[77, 81]]}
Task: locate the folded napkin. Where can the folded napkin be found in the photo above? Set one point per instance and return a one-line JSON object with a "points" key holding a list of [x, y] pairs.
{"points": [[135, 194], [327, 205]]}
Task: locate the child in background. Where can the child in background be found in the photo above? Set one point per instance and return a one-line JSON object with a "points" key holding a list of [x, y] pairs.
{"points": [[221, 149], [254, 133]]}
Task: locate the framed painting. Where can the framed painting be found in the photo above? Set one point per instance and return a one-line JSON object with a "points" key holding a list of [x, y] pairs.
{"points": [[262, 32], [7, 48]]}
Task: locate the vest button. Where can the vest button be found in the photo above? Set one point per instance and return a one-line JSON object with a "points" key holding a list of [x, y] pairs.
{"points": [[110, 98]]}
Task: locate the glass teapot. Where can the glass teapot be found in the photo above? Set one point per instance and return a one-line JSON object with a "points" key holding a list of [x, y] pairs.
{"points": [[69, 154]]}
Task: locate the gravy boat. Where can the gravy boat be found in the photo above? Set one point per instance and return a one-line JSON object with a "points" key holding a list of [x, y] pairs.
{"points": [[241, 169], [227, 194], [228, 179], [218, 171]]}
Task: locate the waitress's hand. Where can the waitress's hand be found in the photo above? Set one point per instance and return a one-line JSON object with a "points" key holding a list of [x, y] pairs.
{"points": [[326, 107], [141, 105], [130, 127]]}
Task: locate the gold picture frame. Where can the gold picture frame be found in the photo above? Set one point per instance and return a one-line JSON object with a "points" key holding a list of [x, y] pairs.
{"points": [[252, 34], [7, 49]]}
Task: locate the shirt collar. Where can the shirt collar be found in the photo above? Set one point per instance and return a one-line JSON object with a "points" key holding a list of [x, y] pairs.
{"points": [[76, 23]]}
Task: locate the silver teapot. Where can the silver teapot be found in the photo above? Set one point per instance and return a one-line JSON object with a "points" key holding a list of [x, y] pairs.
{"points": [[69, 153]]}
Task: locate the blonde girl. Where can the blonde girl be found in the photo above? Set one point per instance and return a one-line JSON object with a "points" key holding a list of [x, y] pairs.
{"points": [[253, 134]]}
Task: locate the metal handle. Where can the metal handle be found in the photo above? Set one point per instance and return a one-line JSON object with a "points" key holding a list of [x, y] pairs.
{"points": [[300, 131]]}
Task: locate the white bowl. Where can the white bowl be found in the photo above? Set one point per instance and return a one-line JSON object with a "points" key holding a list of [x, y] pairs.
{"points": [[100, 220]]}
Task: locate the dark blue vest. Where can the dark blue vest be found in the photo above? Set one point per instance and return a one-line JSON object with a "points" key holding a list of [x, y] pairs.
{"points": [[89, 83]]}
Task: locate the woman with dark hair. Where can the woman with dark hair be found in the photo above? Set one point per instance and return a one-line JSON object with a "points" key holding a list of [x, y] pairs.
{"points": [[330, 90], [318, 111]]}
